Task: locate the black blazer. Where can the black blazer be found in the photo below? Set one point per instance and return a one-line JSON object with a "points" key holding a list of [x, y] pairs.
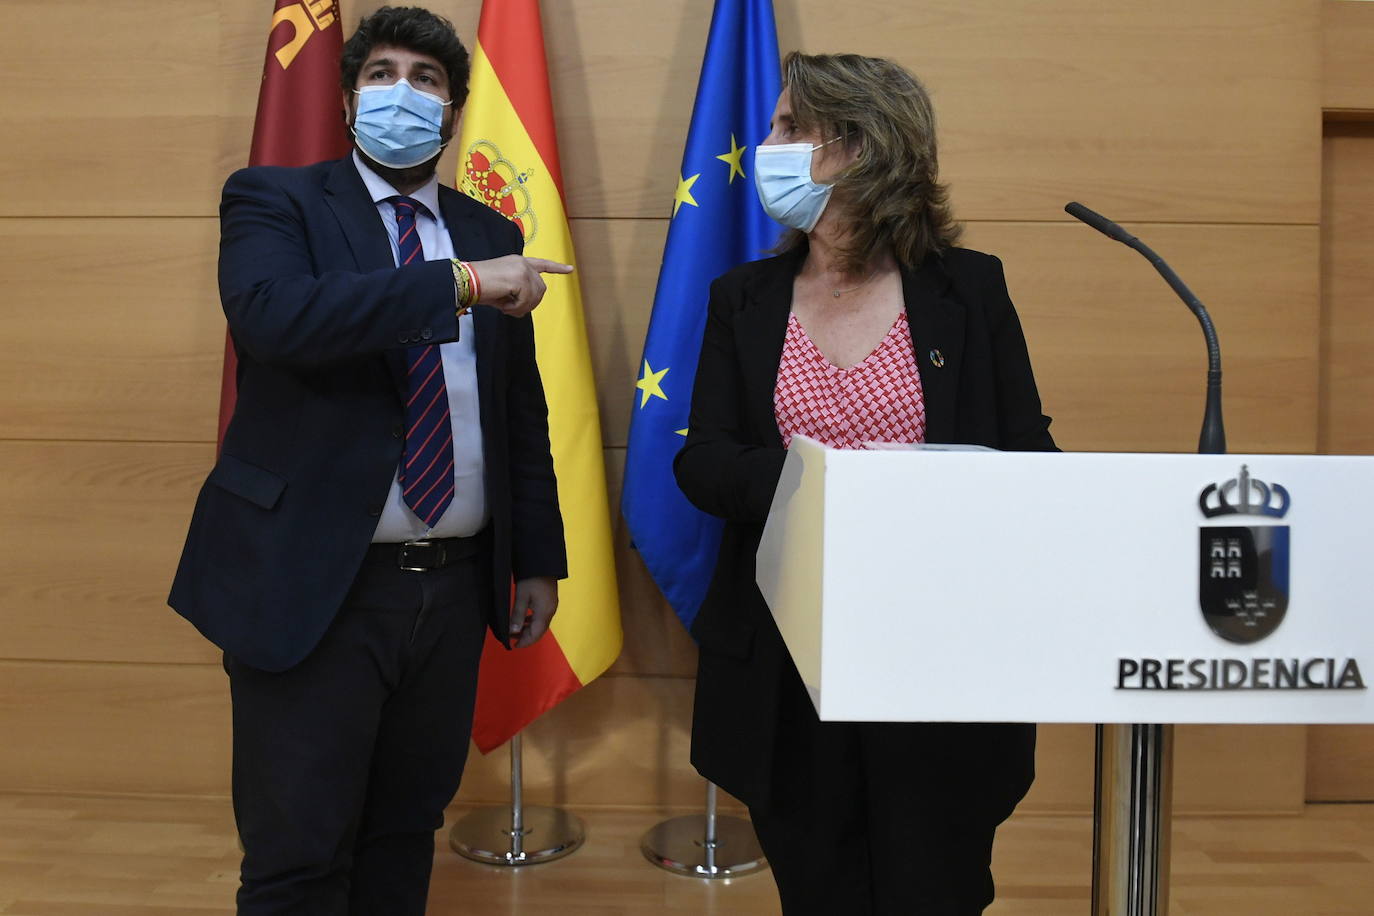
{"points": [[320, 317], [978, 389]]}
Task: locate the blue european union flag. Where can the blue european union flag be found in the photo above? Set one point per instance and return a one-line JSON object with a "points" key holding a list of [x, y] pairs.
{"points": [[717, 223]]}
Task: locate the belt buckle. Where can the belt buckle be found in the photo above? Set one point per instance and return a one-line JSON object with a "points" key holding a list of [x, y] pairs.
{"points": [[402, 555]]}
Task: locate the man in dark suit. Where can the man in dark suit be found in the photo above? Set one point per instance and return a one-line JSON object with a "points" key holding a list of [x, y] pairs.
{"points": [[385, 478]]}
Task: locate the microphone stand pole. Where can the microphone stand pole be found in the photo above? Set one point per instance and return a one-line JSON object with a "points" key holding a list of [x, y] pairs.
{"points": [[1133, 788], [1212, 440]]}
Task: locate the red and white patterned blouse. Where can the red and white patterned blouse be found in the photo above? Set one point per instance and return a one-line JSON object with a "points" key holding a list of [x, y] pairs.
{"points": [[877, 400]]}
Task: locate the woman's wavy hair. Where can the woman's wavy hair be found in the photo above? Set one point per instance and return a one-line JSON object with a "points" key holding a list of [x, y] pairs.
{"points": [[892, 190]]}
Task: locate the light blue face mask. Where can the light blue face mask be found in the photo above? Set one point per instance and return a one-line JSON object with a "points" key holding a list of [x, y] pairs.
{"points": [[398, 125], [782, 175]]}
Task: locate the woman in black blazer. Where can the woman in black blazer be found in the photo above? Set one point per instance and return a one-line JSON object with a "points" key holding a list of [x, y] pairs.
{"points": [[855, 818]]}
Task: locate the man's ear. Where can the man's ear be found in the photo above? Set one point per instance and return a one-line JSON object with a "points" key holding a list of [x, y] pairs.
{"points": [[344, 99]]}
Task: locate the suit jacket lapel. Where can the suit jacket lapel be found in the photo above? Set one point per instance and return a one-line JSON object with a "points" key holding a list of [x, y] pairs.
{"points": [[357, 215], [760, 333], [936, 318], [469, 244], [356, 212]]}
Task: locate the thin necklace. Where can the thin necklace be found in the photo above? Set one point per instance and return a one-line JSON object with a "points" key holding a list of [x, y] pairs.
{"points": [[839, 292]]}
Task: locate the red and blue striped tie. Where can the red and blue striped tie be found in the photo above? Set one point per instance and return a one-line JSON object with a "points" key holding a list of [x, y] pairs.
{"points": [[427, 458]]}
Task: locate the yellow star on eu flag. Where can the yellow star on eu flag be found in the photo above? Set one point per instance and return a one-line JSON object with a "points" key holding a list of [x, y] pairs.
{"points": [[684, 192], [735, 159], [651, 384]]}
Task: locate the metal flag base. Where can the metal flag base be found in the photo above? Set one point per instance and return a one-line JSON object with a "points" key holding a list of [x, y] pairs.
{"points": [[486, 836], [516, 835], [704, 846]]}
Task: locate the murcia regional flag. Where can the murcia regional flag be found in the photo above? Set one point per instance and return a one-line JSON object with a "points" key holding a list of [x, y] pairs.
{"points": [[508, 160]]}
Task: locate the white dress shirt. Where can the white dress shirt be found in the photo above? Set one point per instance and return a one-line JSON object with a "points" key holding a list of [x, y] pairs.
{"points": [[467, 514]]}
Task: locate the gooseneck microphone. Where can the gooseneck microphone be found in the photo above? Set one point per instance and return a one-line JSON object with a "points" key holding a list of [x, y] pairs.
{"points": [[1212, 441]]}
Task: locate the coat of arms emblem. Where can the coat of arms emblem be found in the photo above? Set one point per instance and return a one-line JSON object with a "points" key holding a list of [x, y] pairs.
{"points": [[1243, 573]]}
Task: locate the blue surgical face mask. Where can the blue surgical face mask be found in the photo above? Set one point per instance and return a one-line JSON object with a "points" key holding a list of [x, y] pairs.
{"points": [[782, 175], [398, 125]]}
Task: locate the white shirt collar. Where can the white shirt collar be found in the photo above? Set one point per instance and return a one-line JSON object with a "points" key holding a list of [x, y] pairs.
{"points": [[377, 186]]}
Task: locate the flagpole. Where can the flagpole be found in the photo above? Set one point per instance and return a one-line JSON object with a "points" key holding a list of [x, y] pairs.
{"points": [[704, 846], [504, 835]]}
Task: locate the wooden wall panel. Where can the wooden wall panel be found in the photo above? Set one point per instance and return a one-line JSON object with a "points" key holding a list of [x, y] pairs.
{"points": [[618, 261], [1246, 769], [1143, 109], [1063, 771], [656, 643], [169, 116], [1340, 763], [91, 538], [136, 133], [111, 329], [1239, 769], [1347, 382], [135, 729], [1120, 361], [1347, 77], [164, 730], [1340, 759]]}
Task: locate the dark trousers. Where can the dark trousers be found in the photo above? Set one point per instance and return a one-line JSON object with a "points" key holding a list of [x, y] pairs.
{"points": [[343, 764], [882, 819]]}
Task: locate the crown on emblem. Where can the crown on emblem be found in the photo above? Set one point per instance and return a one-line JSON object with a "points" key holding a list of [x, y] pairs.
{"points": [[1251, 497], [490, 178]]}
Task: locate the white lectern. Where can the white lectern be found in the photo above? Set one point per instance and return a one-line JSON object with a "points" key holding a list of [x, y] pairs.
{"points": [[1095, 588]]}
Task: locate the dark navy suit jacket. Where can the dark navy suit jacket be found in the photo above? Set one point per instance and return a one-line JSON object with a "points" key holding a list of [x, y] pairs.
{"points": [[320, 318]]}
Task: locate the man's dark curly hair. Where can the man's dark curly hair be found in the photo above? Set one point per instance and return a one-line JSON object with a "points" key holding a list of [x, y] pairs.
{"points": [[414, 29]]}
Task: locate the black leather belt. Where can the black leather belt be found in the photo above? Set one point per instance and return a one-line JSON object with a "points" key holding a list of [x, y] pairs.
{"points": [[427, 553]]}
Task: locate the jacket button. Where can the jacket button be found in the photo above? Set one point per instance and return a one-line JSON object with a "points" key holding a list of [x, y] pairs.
{"points": [[398, 431], [375, 511], [402, 338], [426, 334]]}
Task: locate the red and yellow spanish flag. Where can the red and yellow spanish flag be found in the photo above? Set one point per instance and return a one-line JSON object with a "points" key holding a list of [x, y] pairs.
{"points": [[299, 120], [508, 159]]}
